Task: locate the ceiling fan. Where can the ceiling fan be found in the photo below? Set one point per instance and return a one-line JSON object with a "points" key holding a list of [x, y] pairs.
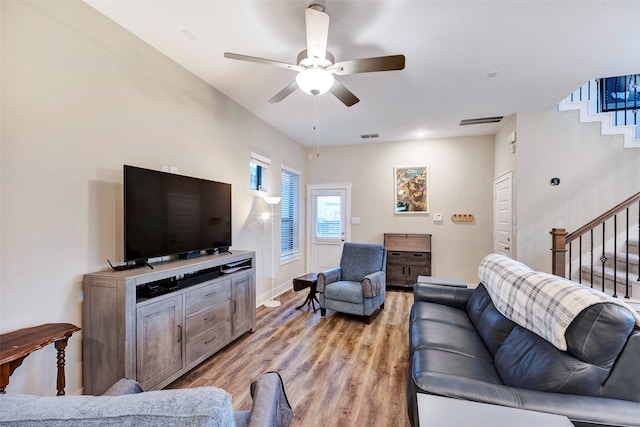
{"points": [[316, 66]]}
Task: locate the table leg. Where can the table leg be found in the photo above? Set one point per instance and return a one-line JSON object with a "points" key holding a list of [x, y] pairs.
{"points": [[60, 346], [4, 377], [310, 300], [6, 370]]}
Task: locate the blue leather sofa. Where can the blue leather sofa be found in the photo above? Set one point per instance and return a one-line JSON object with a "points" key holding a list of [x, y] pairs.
{"points": [[461, 346]]}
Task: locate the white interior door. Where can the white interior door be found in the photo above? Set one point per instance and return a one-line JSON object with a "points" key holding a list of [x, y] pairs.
{"points": [[328, 226], [503, 214]]}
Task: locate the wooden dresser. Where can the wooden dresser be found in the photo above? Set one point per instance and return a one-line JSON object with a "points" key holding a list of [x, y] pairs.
{"points": [[408, 256]]}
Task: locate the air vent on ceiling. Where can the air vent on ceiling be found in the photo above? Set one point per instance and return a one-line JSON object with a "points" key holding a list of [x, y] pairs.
{"points": [[481, 120], [370, 135]]}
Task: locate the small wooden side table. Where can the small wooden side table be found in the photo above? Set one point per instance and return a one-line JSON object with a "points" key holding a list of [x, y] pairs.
{"points": [[307, 281], [16, 345]]}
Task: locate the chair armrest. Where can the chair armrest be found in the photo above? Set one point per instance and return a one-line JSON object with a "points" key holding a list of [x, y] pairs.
{"points": [[124, 386], [442, 294], [328, 276], [270, 407], [372, 282]]}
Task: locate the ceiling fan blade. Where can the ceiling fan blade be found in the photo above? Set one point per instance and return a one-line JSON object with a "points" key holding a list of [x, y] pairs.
{"points": [[343, 94], [284, 93], [262, 61], [317, 24], [368, 65]]}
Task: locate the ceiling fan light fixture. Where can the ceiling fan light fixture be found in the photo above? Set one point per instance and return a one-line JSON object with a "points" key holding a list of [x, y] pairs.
{"points": [[314, 81]]}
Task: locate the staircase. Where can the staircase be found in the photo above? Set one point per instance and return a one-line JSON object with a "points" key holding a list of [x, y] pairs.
{"points": [[622, 121], [594, 255], [615, 272]]}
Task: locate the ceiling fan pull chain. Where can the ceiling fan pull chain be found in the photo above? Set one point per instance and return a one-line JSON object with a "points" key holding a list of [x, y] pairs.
{"points": [[316, 112]]}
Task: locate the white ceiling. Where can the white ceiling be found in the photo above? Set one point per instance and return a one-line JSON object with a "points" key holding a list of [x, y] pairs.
{"points": [[541, 51]]}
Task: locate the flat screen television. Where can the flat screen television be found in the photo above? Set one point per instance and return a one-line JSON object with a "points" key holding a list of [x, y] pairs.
{"points": [[169, 214]]}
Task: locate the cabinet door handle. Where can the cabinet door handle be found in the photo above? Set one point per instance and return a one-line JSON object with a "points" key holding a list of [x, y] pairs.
{"points": [[179, 333], [235, 306], [403, 272], [409, 274], [208, 341]]}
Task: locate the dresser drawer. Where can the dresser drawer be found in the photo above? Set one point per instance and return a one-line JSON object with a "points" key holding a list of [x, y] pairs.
{"points": [[396, 257], [208, 318], [207, 296], [417, 258], [207, 343]]}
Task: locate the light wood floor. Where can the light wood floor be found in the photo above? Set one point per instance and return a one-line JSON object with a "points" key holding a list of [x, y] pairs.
{"points": [[337, 370]]}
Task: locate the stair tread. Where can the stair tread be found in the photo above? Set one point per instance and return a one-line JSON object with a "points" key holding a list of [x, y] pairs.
{"points": [[597, 270]]}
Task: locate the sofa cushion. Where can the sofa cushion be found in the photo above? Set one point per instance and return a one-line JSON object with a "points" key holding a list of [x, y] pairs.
{"points": [[598, 334], [619, 384], [477, 303], [492, 326], [452, 338], [526, 360], [439, 313], [202, 406], [427, 361]]}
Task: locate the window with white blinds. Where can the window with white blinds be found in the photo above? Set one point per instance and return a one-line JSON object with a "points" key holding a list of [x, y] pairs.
{"points": [[289, 217]]}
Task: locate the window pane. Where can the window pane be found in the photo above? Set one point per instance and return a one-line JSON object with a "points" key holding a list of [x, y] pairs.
{"points": [[254, 171], [328, 217], [289, 216]]}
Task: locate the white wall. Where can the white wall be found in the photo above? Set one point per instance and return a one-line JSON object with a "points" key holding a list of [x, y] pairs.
{"points": [[505, 158], [81, 97], [596, 173], [461, 181]]}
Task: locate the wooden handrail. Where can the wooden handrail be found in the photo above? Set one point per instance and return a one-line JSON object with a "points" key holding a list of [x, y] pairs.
{"points": [[602, 218]]}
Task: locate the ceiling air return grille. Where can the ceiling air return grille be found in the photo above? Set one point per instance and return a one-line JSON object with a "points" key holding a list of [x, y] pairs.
{"points": [[481, 120], [369, 135]]}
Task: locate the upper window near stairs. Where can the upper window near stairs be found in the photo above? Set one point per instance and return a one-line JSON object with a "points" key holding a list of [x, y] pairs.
{"points": [[620, 93]]}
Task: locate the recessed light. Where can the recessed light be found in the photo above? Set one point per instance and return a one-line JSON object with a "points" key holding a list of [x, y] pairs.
{"points": [[421, 133], [188, 34]]}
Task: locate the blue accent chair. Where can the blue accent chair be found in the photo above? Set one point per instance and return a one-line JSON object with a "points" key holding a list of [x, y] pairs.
{"points": [[358, 285]]}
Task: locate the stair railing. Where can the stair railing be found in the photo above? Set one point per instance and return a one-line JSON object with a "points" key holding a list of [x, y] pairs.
{"points": [[596, 233]]}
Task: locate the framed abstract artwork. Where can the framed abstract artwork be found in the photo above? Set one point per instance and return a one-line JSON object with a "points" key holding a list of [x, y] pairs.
{"points": [[411, 189]]}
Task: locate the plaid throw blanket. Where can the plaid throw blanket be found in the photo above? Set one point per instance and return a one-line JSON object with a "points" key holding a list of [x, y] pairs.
{"points": [[542, 303]]}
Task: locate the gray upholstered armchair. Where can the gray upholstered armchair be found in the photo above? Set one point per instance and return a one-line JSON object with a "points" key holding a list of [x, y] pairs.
{"points": [[358, 285]]}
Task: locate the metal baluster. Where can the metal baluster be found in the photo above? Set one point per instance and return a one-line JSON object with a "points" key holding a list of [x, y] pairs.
{"points": [[615, 256], [570, 246], [591, 275], [626, 288], [580, 263], [603, 257]]}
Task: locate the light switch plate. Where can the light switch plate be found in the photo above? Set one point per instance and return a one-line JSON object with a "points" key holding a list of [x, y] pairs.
{"points": [[437, 217]]}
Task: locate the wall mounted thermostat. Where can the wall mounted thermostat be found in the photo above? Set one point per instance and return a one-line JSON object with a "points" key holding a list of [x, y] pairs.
{"points": [[555, 181]]}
